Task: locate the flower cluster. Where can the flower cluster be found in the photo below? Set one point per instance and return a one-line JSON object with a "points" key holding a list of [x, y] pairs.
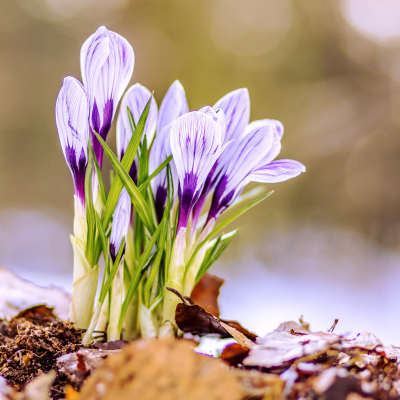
{"points": [[170, 164]]}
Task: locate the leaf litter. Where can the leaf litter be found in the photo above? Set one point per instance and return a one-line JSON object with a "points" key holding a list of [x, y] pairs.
{"points": [[41, 358]]}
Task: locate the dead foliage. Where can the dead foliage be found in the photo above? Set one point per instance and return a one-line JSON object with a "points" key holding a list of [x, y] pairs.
{"points": [[191, 318], [206, 293]]}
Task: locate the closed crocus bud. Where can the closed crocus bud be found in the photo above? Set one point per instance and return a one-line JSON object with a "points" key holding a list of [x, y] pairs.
{"points": [[107, 61], [136, 99], [72, 110]]}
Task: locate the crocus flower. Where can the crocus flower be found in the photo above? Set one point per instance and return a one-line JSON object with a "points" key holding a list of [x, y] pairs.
{"points": [[136, 99], [236, 108], [120, 224], [173, 106], [251, 161], [72, 110], [196, 143], [107, 61]]}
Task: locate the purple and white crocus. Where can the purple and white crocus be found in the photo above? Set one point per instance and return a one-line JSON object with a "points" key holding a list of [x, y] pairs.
{"points": [[107, 61], [136, 99], [236, 108], [252, 161], [172, 107], [72, 110]]}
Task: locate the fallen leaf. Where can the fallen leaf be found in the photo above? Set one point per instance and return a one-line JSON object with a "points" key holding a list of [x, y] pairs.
{"points": [[279, 347], [191, 318], [234, 354], [206, 293]]}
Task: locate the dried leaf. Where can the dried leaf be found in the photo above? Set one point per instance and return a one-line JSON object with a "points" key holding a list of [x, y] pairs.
{"points": [[234, 354], [206, 293], [277, 348], [238, 336], [191, 318]]}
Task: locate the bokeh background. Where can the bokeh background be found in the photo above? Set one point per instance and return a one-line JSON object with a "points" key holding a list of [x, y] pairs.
{"points": [[326, 244]]}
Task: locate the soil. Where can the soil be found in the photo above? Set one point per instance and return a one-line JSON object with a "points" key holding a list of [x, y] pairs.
{"points": [[30, 344]]}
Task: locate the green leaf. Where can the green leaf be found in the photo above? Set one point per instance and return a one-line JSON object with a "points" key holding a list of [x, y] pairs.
{"points": [[155, 173], [143, 262], [223, 241], [155, 268], [104, 244], [241, 199], [126, 163], [99, 175], [90, 216], [223, 224], [125, 180]]}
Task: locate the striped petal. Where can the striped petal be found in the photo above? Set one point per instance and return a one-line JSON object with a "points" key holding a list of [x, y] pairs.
{"points": [[256, 124], [277, 171], [136, 99], [196, 143], [246, 156], [72, 110], [173, 106], [236, 106]]}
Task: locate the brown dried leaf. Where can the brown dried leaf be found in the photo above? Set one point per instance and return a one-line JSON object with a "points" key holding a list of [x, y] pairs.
{"points": [[191, 318], [234, 354], [206, 293]]}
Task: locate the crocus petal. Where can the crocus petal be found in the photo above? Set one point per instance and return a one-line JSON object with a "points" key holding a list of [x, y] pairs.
{"points": [[173, 105], [136, 99], [236, 106], [72, 110], [256, 124], [246, 156], [277, 171], [120, 223], [107, 61], [218, 116], [196, 143]]}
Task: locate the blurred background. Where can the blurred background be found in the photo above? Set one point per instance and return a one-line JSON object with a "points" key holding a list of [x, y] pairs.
{"points": [[326, 244]]}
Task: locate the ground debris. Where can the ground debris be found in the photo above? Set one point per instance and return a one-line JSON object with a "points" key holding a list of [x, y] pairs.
{"points": [[323, 365], [163, 369], [30, 344]]}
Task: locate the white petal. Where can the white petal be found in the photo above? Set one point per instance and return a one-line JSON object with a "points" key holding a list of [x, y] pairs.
{"points": [[195, 144], [277, 171], [136, 99], [236, 106], [72, 110], [173, 105], [256, 124]]}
